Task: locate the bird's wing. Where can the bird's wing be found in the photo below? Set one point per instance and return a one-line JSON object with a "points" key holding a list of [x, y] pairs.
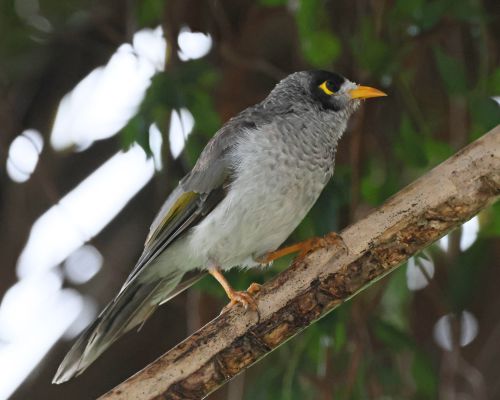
{"points": [[182, 210], [198, 192], [153, 280]]}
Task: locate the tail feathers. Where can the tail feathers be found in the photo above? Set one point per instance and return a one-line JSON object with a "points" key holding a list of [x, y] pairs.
{"points": [[133, 305]]}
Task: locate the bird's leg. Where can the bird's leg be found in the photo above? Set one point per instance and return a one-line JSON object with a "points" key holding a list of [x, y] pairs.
{"points": [[245, 298], [305, 247]]}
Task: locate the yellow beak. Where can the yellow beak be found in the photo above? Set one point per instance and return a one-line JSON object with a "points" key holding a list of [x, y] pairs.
{"points": [[365, 92]]}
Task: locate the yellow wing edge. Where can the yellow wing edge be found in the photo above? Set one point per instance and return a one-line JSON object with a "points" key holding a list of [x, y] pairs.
{"points": [[183, 200]]}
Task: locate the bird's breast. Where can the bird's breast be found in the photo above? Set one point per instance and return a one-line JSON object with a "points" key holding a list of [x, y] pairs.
{"points": [[275, 184]]}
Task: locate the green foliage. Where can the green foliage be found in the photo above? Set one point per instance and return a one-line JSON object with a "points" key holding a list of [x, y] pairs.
{"points": [[396, 300], [485, 115], [339, 336], [408, 148], [371, 52], [427, 14], [494, 82], [452, 72], [149, 11], [466, 276], [378, 182], [418, 150], [490, 226], [136, 132], [319, 45], [321, 48], [424, 375], [273, 3], [324, 217], [391, 336], [190, 87]]}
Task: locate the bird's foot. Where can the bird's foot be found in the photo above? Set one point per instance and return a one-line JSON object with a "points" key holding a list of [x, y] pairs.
{"points": [[237, 297], [243, 298], [305, 247]]}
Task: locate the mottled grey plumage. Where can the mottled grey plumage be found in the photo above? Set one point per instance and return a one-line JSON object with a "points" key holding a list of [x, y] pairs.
{"points": [[251, 186]]}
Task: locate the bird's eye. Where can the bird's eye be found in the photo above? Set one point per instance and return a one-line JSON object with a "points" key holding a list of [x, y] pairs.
{"points": [[327, 88]]}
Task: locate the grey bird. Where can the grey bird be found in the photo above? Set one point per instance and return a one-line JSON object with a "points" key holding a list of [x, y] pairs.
{"points": [[252, 185]]}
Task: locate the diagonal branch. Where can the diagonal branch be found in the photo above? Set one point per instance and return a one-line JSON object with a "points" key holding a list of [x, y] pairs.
{"points": [[418, 215]]}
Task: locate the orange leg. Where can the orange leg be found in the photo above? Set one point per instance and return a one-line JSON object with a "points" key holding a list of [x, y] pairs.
{"points": [[245, 298], [305, 247]]}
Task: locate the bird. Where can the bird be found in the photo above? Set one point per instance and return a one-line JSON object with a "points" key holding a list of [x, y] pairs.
{"points": [[251, 186]]}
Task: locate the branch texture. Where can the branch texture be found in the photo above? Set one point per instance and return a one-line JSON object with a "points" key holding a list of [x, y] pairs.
{"points": [[418, 215]]}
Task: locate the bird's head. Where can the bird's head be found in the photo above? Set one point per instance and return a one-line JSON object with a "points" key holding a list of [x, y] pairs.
{"points": [[322, 89]]}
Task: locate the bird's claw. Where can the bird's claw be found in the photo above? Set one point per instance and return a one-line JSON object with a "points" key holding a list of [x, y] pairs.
{"points": [[244, 298], [254, 288]]}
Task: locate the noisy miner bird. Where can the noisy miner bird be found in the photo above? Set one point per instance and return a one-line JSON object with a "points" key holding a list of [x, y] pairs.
{"points": [[252, 185]]}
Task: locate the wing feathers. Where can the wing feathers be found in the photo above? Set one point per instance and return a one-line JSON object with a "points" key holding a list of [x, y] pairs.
{"points": [[153, 280], [129, 309], [183, 201]]}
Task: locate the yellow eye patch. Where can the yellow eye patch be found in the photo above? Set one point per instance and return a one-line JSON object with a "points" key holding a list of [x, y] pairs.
{"points": [[325, 89]]}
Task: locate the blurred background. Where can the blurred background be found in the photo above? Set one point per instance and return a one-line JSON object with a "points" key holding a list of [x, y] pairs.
{"points": [[105, 105]]}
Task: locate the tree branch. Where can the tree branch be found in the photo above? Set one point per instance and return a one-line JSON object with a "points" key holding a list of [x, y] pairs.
{"points": [[418, 215]]}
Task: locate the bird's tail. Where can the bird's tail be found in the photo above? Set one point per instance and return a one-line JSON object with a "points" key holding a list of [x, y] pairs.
{"points": [[133, 305]]}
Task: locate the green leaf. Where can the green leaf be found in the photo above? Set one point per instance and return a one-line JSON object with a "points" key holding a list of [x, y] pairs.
{"points": [[273, 3], [432, 12], [395, 300], [321, 48], [339, 336], [150, 11], [452, 72], [371, 52], [436, 150], [494, 82], [490, 221], [391, 336], [425, 376], [467, 11], [136, 131], [306, 16], [189, 86], [201, 105], [485, 115], [466, 278], [408, 8], [379, 181], [408, 147]]}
